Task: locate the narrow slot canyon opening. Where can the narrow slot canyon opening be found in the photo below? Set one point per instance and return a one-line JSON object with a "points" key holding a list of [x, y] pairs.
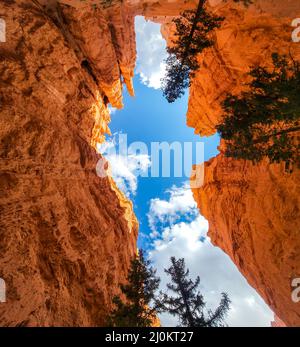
{"points": [[69, 234], [159, 186]]}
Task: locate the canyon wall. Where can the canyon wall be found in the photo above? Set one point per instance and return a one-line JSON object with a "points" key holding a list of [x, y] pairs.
{"points": [[253, 214], [253, 211], [67, 235], [247, 38]]}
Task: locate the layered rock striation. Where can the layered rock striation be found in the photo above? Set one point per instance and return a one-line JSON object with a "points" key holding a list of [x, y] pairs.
{"points": [[253, 214], [67, 236], [253, 211]]}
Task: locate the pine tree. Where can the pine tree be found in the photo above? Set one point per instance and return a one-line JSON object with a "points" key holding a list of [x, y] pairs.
{"points": [[192, 37], [137, 308], [188, 304], [263, 121]]}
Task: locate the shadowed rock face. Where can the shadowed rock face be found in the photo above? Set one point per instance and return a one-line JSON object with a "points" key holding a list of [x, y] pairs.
{"points": [[66, 236]]}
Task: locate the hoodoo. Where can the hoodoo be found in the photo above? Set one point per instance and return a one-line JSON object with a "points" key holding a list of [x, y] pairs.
{"points": [[67, 235]]}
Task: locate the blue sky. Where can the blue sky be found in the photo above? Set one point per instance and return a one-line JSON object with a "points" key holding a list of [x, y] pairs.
{"points": [[148, 117], [170, 223]]}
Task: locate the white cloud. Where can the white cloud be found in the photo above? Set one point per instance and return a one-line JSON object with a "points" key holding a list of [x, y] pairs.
{"points": [[124, 169], [112, 110], [151, 53], [179, 203], [188, 239]]}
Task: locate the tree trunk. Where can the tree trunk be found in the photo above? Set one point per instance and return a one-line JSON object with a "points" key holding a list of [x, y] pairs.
{"points": [[194, 27], [189, 313]]}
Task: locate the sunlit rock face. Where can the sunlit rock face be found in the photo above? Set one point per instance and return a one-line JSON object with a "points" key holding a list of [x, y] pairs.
{"points": [[66, 235], [248, 37], [106, 38], [253, 211], [253, 214]]}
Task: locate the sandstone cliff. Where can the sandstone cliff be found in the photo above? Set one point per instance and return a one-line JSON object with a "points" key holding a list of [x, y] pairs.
{"points": [[253, 214], [253, 211], [277, 323], [67, 235]]}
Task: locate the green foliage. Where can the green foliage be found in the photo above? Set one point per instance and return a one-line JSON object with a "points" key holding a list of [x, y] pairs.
{"points": [[192, 37], [138, 293], [188, 304], [261, 122]]}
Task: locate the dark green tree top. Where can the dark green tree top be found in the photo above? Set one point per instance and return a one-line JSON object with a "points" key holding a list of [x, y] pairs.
{"points": [[135, 308], [191, 38], [187, 303], [263, 121]]}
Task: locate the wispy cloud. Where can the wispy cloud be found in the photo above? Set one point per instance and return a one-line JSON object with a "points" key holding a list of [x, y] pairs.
{"points": [[180, 202], [112, 110], [187, 238], [151, 53], [125, 169]]}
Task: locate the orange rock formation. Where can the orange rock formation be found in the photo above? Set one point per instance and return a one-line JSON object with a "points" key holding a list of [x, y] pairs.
{"points": [[253, 211], [253, 214], [277, 323], [67, 235]]}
